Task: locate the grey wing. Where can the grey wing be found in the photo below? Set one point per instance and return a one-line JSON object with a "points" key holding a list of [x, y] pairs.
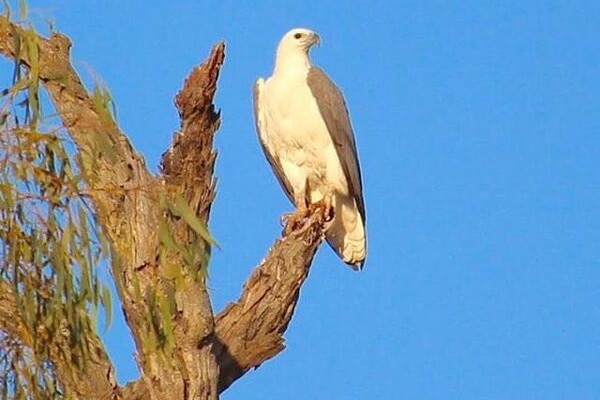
{"points": [[335, 113], [261, 130]]}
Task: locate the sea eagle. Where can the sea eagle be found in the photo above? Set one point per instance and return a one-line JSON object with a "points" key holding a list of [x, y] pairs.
{"points": [[305, 132]]}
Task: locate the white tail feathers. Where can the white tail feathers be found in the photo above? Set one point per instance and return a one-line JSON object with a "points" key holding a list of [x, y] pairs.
{"points": [[346, 234]]}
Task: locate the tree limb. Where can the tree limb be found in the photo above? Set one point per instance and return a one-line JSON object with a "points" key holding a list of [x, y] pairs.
{"points": [[187, 169], [123, 191], [120, 189], [251, 330], [189, 163]]}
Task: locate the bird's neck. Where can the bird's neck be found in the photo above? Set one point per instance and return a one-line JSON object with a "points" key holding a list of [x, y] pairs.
{"points": [[291, 62]]}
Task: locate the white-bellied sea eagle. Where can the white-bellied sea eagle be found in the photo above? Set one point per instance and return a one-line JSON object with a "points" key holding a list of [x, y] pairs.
{"points": [[305, 131]]}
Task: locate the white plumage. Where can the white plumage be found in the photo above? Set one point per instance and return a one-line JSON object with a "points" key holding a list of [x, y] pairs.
{"points": [[305, 131]]}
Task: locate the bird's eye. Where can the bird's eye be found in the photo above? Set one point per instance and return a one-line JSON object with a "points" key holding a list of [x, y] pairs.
{"points": [[298, 35]]}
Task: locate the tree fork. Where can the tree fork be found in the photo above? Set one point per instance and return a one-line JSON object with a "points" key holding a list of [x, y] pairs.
{"points": [[212, 352]]}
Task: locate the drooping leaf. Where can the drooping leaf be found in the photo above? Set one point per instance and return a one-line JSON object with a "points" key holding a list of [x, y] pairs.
{"points": [[106, 301], [181, 208]]}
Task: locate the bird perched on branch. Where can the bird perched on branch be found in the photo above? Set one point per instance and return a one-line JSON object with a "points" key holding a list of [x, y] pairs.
{"points": [[305, 131]]}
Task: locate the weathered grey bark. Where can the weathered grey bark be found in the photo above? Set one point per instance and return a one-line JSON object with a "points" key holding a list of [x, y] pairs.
{"points": [[210, 352]]}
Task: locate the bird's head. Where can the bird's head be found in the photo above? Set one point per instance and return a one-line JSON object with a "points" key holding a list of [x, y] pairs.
{"points": [[298, 39]]}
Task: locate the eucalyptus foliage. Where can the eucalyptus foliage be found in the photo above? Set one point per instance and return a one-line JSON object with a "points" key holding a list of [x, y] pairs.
{"points": [[50, 245]]}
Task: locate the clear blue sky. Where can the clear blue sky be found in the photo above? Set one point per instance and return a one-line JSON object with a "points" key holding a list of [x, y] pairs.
{"points": [[478, 127]]}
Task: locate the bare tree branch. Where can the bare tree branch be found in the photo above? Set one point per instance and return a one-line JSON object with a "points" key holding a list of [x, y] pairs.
{"points": [[251, 329], [188, 168], [189, 162]]}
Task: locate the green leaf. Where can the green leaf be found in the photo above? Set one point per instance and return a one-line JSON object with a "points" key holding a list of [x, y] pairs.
{"points": [[166, 238], [23, 9], [181, 208], [167, 324], [6, 9], [106, 301]]}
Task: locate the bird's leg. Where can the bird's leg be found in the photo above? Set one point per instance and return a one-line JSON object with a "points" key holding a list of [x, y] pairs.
{"points": [[325, 205]]}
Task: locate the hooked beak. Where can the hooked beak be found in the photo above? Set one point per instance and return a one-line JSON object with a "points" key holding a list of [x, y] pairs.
{"points": [[316, 39]]}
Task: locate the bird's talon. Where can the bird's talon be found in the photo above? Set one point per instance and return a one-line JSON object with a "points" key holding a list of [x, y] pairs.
{"points": [[325, 208], [294, 221], [329, 214]]}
